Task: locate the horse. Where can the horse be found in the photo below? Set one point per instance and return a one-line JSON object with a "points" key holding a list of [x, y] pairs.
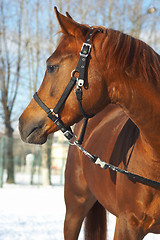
{"points": [[121, 88]]}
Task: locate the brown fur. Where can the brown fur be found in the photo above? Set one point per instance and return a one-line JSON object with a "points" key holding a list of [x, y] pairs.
{"points": [[123, 71], [95, 223], [132, 55]]}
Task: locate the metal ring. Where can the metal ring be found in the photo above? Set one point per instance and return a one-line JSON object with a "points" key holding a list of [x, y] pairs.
{"points": [[73, 72], [72, 141]]}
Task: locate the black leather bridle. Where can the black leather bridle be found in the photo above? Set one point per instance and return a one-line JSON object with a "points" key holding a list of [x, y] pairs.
{"points": [[53, 114], [81, 69]]}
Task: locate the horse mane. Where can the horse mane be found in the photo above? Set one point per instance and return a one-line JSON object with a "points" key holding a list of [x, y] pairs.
{"points": [[129, 55], [133, 56]]}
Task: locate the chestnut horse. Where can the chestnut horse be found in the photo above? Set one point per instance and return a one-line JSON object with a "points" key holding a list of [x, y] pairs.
{"points": [[123, 75]]}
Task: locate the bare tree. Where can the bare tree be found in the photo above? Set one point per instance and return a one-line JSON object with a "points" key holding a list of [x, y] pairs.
{"points": [[10, 83], [35, 29], [36, 39], [47, 147]]}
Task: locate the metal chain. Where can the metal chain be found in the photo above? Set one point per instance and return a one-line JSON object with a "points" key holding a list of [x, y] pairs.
{"points": [[106, 165]]}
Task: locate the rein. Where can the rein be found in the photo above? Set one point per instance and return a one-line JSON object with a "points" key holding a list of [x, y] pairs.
{"points": [[106, 165], [53, 114]]}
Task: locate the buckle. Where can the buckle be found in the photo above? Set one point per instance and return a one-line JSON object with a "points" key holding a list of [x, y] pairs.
{"points": [[68, 134], [52, 111], [85, 50], [100, 163], [80, 82]]}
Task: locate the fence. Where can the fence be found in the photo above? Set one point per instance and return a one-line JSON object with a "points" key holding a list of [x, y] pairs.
{"points": [[33, 164]]}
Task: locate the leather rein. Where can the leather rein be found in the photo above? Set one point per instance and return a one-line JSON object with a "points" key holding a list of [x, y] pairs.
{"points": [[53, 113]]}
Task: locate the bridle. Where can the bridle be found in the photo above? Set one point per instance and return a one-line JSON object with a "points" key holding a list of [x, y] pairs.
{"points": [[68, 133], [81, 69]]}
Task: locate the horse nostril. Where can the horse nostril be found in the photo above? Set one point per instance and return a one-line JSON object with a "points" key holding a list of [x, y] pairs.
{"points": [[34, 129], [31, 131]]}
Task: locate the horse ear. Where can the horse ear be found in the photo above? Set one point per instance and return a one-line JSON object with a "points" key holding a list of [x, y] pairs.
{"points": [[69, 26], [68, 15]]}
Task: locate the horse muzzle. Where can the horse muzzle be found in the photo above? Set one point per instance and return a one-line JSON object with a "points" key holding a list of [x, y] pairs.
{"points": [[32, 132]]}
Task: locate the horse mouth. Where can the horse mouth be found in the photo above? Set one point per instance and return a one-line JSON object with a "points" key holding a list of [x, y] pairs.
{"points": [[33, 134], [36, 136]]}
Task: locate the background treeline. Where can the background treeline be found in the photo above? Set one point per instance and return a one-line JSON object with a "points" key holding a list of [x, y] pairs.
{"points": [[28, 36]]}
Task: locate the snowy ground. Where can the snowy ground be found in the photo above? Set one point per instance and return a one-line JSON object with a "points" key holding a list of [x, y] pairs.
{"points": [[36, 213]]}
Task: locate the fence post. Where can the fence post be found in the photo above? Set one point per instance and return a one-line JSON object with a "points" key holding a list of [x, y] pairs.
{"points": [[2, 161], [62, 171], [39, 165]]}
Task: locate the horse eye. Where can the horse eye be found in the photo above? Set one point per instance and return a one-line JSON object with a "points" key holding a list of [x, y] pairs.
{"points": [[52, 68]]}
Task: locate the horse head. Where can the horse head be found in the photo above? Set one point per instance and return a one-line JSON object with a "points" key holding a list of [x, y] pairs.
{"points": [[34, 125]]}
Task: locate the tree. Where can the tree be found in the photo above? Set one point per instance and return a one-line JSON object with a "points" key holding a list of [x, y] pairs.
{"points": [[10, 82], [28, 36], [34, 48]]}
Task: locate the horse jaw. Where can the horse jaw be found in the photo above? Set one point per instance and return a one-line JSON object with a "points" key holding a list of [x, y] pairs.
{"points": [[36, 130]]}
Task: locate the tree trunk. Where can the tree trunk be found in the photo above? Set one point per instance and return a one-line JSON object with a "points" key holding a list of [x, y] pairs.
{"points": [[46, 162], [9, 155], [9, 85]]}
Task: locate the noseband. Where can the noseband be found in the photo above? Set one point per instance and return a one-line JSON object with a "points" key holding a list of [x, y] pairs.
{"points": [[81, 69]]}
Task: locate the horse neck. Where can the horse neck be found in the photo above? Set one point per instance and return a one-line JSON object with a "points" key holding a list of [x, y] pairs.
{"points": [[131, 71], [141, 101]]}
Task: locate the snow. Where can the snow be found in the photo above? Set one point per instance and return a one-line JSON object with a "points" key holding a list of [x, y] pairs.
{"points": [[36, 212], [31, 213]]}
